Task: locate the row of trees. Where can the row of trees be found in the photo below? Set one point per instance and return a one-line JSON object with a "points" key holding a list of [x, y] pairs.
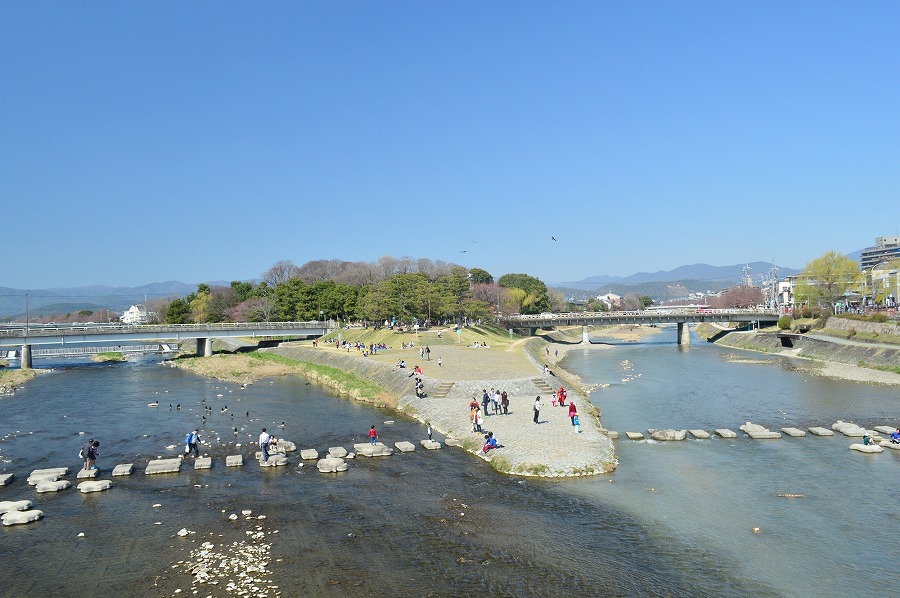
{"points": [[834, 278], [404, 290]]}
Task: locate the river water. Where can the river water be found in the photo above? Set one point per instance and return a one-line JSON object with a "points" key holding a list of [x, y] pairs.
{"points": [[675, 519]]}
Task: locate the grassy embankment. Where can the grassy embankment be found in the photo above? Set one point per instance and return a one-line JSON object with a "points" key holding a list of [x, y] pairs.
{"points": [[108, 356], [10, 379]]}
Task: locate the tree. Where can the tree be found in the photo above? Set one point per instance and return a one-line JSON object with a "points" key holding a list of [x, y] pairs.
{"points": [[199, 303], [282, 271], [179, 312], [536, 298], [480, 276], [826, 279], [243, 290]]}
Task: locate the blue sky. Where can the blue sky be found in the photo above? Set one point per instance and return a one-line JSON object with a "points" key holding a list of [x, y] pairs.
{"points": [[193, 141]]}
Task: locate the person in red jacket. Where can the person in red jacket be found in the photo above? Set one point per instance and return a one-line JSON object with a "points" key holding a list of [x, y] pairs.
{"points": [[373, 435], [572, 412]]}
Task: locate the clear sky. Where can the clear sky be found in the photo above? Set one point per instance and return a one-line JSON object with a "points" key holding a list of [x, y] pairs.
{"points": [[194, 141]]}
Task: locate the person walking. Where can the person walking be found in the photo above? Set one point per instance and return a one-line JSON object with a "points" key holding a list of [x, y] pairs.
{"points": [[85, 453], [93, 453], [373, 435], [537, 410], [264, 439], [190, 443], [573, 412]]}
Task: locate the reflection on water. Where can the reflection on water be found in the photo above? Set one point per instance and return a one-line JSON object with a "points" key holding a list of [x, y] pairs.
{"points": [[435, 522]]}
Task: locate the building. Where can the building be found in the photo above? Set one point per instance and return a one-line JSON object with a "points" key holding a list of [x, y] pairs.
{"points": [[611, 300], [134, 315], [885, 250]]}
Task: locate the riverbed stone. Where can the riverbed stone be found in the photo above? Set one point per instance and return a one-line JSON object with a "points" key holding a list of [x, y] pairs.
{"points": [[404, 446], [84, 474], [52, 474], [699, 434], [94, 486], [667, 434], [123, 469], [795, 432], [163, 466], [452, 442], [758, 432], [880, 429], [430, 444], [378, 449], [331, 465], [848, 429], [866, 448], [337, 451], [612, 435], [6, 478], [275, 460], [21, 517], [634, 435], [307, 454], [234, 460], [14, 505], [820, 431], [890, 445], [203, 463], [285, 446], [52, 485], [726, 433]]}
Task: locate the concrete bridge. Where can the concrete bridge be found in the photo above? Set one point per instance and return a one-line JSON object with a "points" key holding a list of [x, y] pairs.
{"points": [[17, 335], [681, 317]]}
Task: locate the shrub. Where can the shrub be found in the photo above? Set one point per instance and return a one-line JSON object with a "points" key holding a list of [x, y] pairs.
{"points": [[879, 317], [784, 322]]}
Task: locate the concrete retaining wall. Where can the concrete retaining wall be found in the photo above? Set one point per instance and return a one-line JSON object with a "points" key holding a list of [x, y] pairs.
{"points": [[846, 325]]}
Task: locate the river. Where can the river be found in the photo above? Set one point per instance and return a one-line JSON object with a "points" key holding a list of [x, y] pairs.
{"points": [[675, 519]]}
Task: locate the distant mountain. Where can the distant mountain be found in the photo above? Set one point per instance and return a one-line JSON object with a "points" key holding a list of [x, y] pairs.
{"points": [[703, 273]]}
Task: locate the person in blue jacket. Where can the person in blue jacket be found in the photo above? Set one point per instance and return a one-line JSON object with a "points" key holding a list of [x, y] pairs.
{"points": [[190, 443], [895, 436], [489, 443]]}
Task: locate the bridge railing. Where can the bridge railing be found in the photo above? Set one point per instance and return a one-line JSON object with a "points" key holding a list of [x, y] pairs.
{"points": [[160, 328]]}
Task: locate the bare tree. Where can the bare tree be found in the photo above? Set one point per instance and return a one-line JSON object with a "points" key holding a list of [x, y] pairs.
{"points": [[282, 271], [385, 267], [156, 309], [358, 274]]}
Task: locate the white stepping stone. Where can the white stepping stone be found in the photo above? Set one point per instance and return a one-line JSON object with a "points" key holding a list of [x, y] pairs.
{"points": [[123, 469], [612, 435], [53, 474], [848, 429], [890, 445], [337, 451], [452, 442], [14, 505], [21, 517], [430, 444], [6, 478], [820, 431], [880, 429], [234, 460], [866, 448], [758, 432], [87, 473], [309, 454], [285, 446], [667, 435], [276, 460], [203, 463], [367, 449], [634, 435], [699, 434], [52, 486], [405, 446], [331, 465], [94, 486], [725, 433], [163, 466], [795, 432]]}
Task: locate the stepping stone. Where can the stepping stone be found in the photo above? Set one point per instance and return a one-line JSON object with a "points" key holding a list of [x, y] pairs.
{"points": [[309, 454], [275, 460], [452, 442], [758, 432], [123, 469], [87, 473], [405, 446], [881, 429], [612, 435], [285, 446], [21, 517], [820, 431], [866, 448], [234, 460], [94, 486], [848, 429], [795, 432], [667, 435], [634, 435], [163, 466], [52, 485], [39, 475], [699, 434], [203, 463], [889, 445], [6, 478], [434, 444], [337, 451], [331, 465], [367, 449], [350, 456], [726, 433], [14, 505]]}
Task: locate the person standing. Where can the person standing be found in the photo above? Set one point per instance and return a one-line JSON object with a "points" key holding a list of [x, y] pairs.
{"points": [[190, 443], [479, 419], [264, 439], [428, 354], [428, 430], [93, 454], [439, 361], [537, 409], [373, 435], [85, 452], [504, 402], [421, 352], [573, 412]]}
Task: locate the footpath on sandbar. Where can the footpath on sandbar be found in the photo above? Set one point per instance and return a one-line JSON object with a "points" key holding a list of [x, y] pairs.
{"points": [[551, 448]]}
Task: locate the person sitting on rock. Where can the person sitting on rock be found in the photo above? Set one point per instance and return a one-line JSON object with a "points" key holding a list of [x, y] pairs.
{"points": [[489, 443], [867, 440], [895, 436]]}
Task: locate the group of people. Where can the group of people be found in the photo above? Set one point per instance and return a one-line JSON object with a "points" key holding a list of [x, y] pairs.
{"points": [[559, 399], [425, 353], [89, 453]]}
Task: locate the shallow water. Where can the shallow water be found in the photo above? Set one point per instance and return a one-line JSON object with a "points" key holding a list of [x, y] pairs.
{"points": [[438, 522]]}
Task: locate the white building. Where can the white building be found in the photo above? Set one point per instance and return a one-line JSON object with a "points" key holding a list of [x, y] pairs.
{"points": [[134, 315], [611, 300]]}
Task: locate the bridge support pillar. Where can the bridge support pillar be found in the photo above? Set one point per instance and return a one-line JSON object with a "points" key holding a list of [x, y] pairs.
{"points": [[684, 334], [585, 338], [204, 347], [25, 362]]}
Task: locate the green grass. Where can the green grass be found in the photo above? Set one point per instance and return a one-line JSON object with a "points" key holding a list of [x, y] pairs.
{"points": [[108, 356], [882, 368], [534, 468], [500, 464], [345, 380], [493, 336]]}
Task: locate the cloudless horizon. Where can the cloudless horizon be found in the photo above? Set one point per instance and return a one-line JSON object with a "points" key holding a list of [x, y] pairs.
{"points": [[149, 142]]}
